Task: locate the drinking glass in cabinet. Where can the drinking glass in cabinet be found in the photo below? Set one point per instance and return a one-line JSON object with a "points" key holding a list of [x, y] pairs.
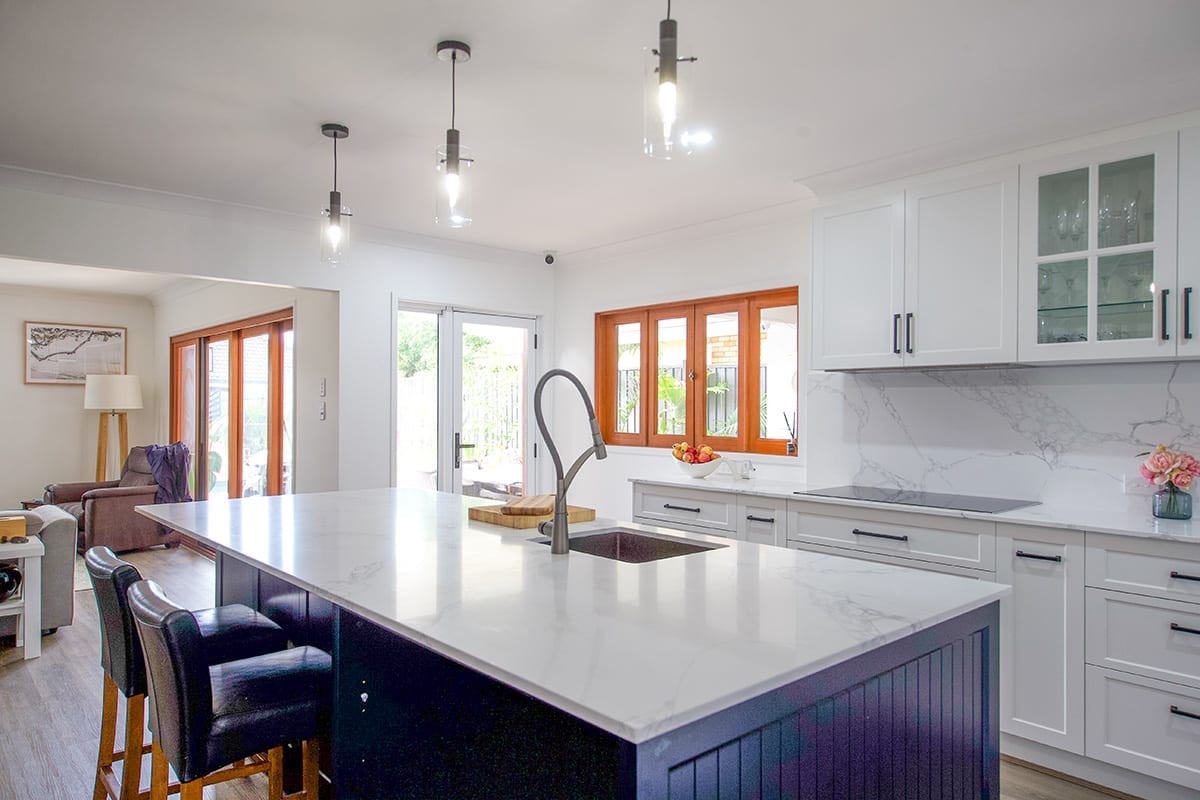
{"points": [[1126, 214], [1062, 301], [1126, 296], [1063, 212]]}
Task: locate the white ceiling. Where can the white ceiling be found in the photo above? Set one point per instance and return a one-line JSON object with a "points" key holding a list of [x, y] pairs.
{"points": [[223, 99], [88, 280]]}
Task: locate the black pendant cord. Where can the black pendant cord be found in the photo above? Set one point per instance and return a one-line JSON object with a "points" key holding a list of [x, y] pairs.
{"points": [[668, 9], [335, 163], [453, 87]]}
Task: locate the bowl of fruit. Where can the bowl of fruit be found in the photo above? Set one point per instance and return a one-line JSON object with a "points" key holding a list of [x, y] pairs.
{"points": [[696, 462]]}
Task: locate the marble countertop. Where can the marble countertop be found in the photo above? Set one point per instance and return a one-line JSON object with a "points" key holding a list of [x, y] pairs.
{"points": [[636, 649], [1131, 519]]}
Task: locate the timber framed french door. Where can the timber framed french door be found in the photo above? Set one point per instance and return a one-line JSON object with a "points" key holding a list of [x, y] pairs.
{"points": [[232, 400], [463, 411]]}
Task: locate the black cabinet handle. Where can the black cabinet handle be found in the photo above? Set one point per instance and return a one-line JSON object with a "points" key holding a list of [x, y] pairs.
{"points": [[681, 508], [1182, 577], [1023, 554], [1187, 312], [1180, 712], [1175, 626], [908, 332], [753, 518], [1162, 328], [896, 334], [892, 536]]}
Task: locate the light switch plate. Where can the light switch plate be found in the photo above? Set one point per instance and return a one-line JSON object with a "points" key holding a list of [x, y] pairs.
{"points": [[321, 413], [322, 387]]}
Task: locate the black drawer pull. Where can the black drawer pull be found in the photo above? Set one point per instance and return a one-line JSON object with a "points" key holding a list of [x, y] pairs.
{"points": [[681, 508], [892, 536], [1023, 554], [753, 518], [1187, 312], [896, 334], [1182, 577], [1175, 626], [908, 335], [1180, 712], [1163, 333]]}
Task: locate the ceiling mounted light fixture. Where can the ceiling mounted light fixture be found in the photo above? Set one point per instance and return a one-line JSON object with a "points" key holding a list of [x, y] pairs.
{"points": [[453, 160], [334, 238], [665, 134]]}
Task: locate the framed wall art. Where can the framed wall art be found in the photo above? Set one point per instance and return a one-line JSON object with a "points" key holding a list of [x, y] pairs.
{"points": [[58, 352]]}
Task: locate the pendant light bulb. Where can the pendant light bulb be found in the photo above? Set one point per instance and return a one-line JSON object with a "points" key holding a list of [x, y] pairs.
{"points": [[666, 107], [333, 228], [665, 133], [454, 161]]}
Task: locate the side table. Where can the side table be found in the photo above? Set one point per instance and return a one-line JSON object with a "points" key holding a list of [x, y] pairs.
{"points": [[28, 602], [28, 504]]}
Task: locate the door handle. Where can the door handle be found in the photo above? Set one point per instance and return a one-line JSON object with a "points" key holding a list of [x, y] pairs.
{"points": [[1182, 576], [459, 446], [1181, 713], [1164, 334], [896, 334], [752, 518], [1187, 312], [1175, 626], [892, 536], [1038, 556], [908, 336], [680, 508]]}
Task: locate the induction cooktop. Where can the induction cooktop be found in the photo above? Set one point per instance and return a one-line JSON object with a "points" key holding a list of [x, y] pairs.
{"points": [[905, 497]]}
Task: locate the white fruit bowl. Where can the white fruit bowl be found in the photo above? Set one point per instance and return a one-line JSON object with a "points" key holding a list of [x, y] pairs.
{"points": [[697, 470]]}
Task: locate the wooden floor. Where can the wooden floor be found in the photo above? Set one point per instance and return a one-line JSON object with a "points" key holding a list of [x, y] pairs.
{"points": [[50, 706]]}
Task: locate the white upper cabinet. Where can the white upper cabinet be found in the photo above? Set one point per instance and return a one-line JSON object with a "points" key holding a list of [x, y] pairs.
{"points": [[1187, 319], [1098, 253], [858, 284], [960, 276]]}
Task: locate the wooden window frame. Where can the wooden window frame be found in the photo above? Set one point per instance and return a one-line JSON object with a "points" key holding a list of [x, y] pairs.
{"points": [[748, 307]]}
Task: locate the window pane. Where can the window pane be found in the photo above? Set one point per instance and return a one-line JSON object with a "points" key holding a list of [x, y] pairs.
{"points": [[218, 419], [495, 379], [186, 388], [671, 391], [1126, 308], [255, 391], [721, 358], [1063, 212], [629, 377], [417, 400], [777, 373], [1126, 213], [1062, 301]]}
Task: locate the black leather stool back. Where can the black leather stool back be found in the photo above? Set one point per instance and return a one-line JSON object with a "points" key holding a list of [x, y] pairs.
{"points": [[177, 677], [120, 648]]}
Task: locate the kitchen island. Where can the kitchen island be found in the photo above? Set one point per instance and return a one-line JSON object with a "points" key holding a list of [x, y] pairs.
{"points": [[470, 662]]}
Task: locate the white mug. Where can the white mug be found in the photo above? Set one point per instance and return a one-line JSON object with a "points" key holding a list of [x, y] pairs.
{"points": [[740, 469]]}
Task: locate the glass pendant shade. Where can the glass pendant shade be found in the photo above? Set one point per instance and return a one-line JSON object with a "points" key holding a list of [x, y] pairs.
{"points": [[454, 163], [335, 233]]}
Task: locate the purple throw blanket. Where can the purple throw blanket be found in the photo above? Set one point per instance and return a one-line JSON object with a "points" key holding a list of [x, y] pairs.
{"points": [[169, 463]]}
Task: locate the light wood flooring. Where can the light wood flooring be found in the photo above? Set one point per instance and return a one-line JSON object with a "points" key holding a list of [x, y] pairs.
{"points": [[50, 706]]}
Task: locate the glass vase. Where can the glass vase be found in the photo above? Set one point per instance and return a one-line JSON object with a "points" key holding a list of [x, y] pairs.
{"points": [[1172, 504]]}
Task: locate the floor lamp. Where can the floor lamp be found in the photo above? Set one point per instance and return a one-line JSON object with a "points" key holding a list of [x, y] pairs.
{"points": [[112, 396]]}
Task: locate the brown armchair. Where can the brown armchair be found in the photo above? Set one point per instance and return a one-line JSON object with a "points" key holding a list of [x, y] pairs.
{"points": [[104, 511]]}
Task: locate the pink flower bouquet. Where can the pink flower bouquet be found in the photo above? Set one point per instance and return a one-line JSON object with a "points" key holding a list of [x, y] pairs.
{"points": [[1174, 473]]}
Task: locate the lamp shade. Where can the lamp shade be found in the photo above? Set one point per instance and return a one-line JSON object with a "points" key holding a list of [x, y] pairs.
{"points": [[112, 392]]}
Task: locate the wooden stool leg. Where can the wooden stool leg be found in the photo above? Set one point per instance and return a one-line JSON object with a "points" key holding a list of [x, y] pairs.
{"points": [[158, 772], [108, 736], [192, 790], [135, 722], [312, 775], [275, 773]]}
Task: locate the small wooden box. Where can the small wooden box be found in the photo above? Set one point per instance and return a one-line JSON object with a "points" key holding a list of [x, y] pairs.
{"points": [[12, 526]]}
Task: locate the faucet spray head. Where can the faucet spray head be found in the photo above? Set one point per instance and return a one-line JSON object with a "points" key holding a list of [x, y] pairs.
{"points": [[598, 440]]}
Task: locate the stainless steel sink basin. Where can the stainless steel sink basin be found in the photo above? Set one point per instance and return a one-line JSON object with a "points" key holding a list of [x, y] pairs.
{"points": [[634, 547]]}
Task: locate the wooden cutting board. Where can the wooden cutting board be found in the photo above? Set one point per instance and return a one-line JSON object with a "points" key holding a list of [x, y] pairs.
{"points": [[493, 515], [537, 505]]}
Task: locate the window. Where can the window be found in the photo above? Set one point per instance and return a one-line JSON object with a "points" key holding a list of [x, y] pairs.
{"points": [[232, 405], [721, 370]]}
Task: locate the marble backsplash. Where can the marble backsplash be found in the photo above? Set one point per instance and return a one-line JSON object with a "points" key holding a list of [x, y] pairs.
{"points": [[1067, 434]]}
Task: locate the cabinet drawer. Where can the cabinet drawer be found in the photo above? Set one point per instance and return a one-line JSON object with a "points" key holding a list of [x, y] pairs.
{"points": [[1144, 725], [1152, 637], [690, 506], [762, 520], [1144, 566], [966, 543], [899, 561]]}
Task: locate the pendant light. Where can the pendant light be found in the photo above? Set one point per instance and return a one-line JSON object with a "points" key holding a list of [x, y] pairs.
{"points": [[334, 238], [453, 160], [665, 134]]}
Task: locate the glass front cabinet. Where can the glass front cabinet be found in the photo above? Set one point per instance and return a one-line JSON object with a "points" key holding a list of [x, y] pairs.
{"points": [[1098, 254]]}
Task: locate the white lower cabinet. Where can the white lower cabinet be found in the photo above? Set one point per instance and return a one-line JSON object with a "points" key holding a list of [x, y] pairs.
{"points": [[688, 509], [762, 520], [1042, 634]]}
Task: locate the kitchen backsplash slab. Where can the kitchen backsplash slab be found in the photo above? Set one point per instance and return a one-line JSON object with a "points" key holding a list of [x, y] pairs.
{"points": [[1062, 434]]}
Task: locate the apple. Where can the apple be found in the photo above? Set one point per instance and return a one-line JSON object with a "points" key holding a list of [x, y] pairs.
{"points": [[704, 458]]}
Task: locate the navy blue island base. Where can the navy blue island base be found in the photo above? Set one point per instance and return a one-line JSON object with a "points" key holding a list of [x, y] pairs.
{"points": [[916, 719]]}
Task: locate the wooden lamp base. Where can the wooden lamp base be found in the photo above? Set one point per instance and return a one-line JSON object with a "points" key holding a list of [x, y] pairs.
{"points": [[102, 440]]}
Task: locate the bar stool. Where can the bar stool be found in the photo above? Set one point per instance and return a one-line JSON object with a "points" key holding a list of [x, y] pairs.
{"points": [[206, 717], [229, 633]]}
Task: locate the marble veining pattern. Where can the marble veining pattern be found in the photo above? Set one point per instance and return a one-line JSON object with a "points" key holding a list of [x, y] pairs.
{"points": [[1068, 435], [636, 649]]}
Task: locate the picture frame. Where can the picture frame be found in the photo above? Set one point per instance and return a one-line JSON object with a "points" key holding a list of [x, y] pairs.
{"points": [[66, 353]]}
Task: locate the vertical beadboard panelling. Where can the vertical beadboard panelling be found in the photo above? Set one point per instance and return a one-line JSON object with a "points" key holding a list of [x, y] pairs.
{"points": [[912, 733]]}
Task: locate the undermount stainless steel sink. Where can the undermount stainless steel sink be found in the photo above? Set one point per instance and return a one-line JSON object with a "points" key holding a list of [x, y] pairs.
{"points": [[634, 547]]}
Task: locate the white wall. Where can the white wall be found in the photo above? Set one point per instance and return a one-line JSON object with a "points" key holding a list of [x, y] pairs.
{"points": [[765, 251], [64, 220], [315, 327], [48, 437]]}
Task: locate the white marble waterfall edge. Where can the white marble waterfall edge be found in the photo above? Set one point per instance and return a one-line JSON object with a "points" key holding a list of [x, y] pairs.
{"points": [[636, 649]]}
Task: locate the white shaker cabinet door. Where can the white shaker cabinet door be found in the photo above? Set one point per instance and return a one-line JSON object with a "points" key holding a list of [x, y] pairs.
{"points": [[960, 278], [858, 284], [1042, 635], [1187, 318]]}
